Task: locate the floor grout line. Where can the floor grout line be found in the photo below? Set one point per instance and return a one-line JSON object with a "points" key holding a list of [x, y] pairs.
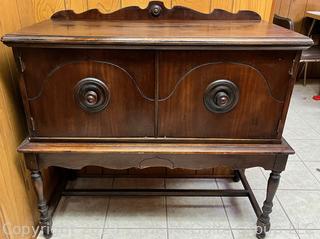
{"points": [[285, 212], [225, 211], [315, 130], [297, 189], [310, 171], [189, 229], [277, 229], [300, 139], [166, 205], [308, 124], [301, 158], [107, 210], [276, 197], [283, 209]]}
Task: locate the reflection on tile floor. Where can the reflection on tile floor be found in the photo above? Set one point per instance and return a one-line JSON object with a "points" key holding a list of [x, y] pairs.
{"points": [[296, 206]]}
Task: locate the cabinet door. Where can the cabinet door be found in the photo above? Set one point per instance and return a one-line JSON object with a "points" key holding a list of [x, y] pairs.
{"points": [[223, 94], [90, 93]]}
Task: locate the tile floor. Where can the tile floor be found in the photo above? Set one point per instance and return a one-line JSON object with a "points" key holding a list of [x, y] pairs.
{"points": [[296, 211]]}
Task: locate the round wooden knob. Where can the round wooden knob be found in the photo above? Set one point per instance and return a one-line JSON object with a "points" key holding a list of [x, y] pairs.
{"points": [[222, 99], [221, 96], [92, 94], [91, 97], [155, 10]]}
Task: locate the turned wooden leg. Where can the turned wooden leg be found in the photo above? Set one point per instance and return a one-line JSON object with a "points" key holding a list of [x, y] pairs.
{"points": [[72, 174], [236, 177], [263, 223], [45, 219], [305, 74]]}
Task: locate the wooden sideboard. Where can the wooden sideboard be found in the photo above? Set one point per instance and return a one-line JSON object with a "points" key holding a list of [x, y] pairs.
{"points": [[155, 87]]}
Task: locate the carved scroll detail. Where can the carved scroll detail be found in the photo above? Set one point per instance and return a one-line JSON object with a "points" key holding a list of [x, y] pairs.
{"points": [[163, 162], [57, 68], [184, 77]]}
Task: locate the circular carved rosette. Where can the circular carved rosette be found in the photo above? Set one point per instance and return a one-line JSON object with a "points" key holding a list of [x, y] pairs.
{"points": [[221, 96], [92, 94]]}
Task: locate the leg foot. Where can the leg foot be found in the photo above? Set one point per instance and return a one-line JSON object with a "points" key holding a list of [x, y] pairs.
{"points": [[236, 177], [72, 175], [305, 74], [263, 223], [45, 219], [261, 235]]}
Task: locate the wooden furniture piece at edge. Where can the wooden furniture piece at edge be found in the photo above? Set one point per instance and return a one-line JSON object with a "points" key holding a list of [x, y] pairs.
{"points": [[271, 154], [297, 11]]}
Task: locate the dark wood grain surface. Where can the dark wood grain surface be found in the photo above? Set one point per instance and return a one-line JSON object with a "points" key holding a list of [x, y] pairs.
{"points": [[162, 148], [129, 77], [156, 10], [164, 33], [262, 88], [156, 26], [145, 155], [156, 94]]}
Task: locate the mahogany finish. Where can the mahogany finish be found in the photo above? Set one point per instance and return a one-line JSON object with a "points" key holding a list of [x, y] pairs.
{"points": [[134, 28], [156, 11], [131, 92], [261, 86], [157, 87]]}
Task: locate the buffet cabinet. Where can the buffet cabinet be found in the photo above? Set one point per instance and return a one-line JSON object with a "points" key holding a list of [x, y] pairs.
{"points": [[157, 87]]}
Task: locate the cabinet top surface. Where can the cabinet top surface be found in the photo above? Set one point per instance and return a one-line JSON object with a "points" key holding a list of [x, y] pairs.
{"points": [[207, 33], [178, 27]]}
